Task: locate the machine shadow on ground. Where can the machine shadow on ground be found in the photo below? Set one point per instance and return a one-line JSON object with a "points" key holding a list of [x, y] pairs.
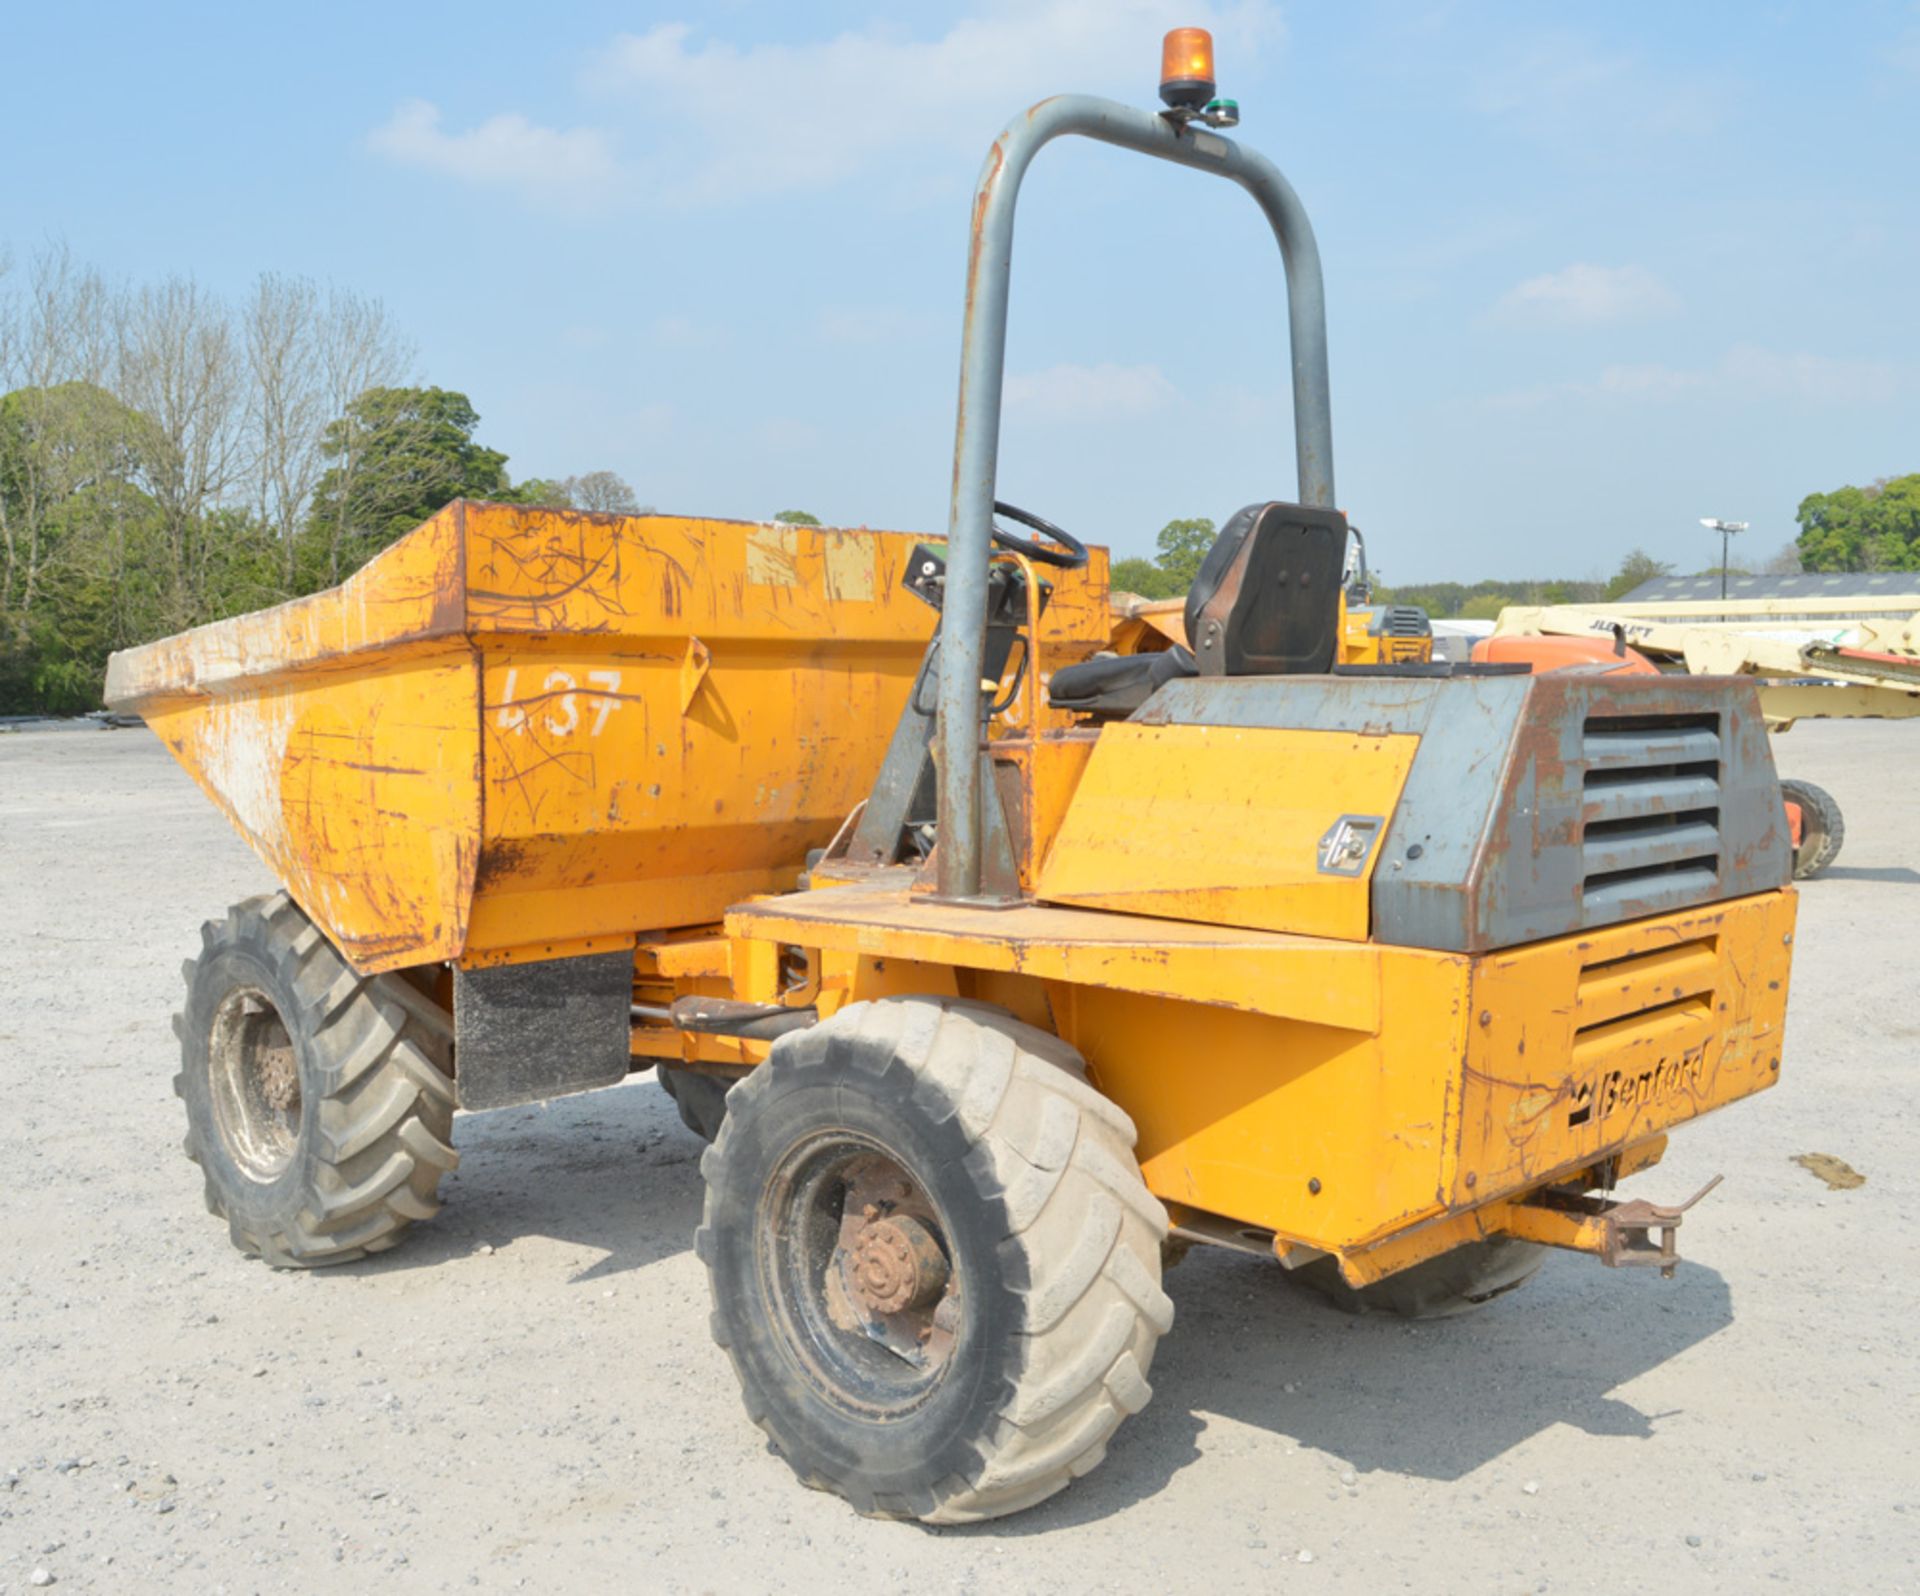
{"points": [[1434, 1400], [613, 1170]]}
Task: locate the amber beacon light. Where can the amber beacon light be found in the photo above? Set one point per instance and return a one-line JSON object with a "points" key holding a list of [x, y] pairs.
{"points": [[1186, 68]]}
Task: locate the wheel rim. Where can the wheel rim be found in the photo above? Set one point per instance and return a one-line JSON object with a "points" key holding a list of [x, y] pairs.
{"points": [[256, 1085], [854, 1257]]}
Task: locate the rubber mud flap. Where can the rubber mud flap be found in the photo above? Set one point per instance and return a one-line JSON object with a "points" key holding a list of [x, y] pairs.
{"points": [[526, 1032]]}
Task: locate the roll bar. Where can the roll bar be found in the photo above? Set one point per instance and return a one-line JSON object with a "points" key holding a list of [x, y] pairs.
{"points": [[976, 443]]}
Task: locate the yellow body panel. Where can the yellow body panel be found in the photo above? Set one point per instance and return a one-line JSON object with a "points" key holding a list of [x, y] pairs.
{"points": [[314, 767], [1223, 825], [1261, 972], [1587, 1042], [1360, 644], [1242, 1116], [1343, 1096], [314, 778], [1143, 625], [524, 732]]}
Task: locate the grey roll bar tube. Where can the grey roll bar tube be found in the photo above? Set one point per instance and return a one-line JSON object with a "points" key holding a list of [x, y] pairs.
{"points": [[976, 444]]}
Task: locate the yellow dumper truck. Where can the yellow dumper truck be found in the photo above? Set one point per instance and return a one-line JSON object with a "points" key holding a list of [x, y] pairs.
{"points": [[998, 963]]}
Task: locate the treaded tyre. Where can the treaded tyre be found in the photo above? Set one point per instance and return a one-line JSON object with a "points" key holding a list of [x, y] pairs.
{"points": [[1469, 1277], [934, 1264], [319, 1101], [1822, 829], [700, 1098]]}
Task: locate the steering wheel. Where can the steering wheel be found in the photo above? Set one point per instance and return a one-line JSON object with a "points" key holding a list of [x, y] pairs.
{"points": [[1061, 549]]}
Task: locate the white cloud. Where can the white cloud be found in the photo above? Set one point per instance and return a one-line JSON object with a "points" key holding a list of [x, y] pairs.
{"points": [[1746, 374], [772, 118], [720, 122], [1585, 295], [1105, 392], [505, 150]]}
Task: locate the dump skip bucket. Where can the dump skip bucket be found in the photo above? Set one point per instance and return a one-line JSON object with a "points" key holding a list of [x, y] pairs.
{"points": [[518, 728]]}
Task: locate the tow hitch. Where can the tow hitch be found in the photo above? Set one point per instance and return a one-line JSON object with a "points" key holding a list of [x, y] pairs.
{"points": [[1618, 1234]]}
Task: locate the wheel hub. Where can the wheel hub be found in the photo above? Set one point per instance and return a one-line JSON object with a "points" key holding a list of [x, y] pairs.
{"points": [[895, 1264], [862, 1275], [254, 1074], [279, 1074]]}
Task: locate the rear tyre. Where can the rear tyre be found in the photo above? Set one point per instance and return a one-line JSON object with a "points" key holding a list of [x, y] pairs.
{"points": [[319, 1101], [701, 1098], [1822, 830], [1456, 1282], [934, 1264]]}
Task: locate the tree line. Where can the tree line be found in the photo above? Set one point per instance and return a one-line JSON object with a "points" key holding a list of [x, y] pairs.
{"points": [[1182, 544], [1875, 528], [169, 458], [1854, 529]]}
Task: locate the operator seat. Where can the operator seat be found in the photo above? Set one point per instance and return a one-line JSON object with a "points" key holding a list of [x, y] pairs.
{"points": [[1266, 602]]}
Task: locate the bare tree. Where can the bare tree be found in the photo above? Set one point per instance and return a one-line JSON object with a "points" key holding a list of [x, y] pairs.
{"points": [[309, 354], [180, 364], [53, 356], [356, 348], [160, 454], [285, 403], [1785, 561], [606, 492]]}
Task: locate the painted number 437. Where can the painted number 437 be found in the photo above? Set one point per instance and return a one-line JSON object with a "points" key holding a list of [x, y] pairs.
{"points": [[557, 704]]}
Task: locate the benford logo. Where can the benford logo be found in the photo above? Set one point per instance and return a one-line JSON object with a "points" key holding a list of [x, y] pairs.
{"points": [[1614, 1090]]}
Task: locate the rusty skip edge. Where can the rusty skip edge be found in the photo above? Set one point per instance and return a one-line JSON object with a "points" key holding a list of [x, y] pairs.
{"points": [[424, 592], [411, 597]]}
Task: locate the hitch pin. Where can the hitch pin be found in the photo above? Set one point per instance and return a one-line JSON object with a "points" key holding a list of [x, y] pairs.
{"points": [[1630, 1228], [1619, 1234]]}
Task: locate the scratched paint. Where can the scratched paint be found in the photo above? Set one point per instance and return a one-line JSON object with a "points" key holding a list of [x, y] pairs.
{"points": [[849, 566], [773, 556], [490, 738]]}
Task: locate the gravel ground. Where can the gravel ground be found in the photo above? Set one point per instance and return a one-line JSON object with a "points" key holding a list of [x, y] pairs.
{"points": [[524, 1396]]}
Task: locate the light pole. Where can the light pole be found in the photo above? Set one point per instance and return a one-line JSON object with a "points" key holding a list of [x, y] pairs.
{"points": [[1726, 529]]}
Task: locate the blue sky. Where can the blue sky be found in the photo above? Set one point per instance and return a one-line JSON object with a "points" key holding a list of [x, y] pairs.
{"points": [[1594, 272]]}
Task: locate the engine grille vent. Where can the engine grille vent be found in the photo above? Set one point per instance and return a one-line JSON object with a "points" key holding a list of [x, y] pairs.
{"points": [[1639, 1024], [1406, 620], [1651, 813]]}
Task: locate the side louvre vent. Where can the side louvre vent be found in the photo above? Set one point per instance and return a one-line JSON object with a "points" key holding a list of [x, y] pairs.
{"points": [[1651, 813]]}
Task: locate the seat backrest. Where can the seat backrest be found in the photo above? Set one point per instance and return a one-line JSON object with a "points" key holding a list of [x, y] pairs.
{"points": [[1267, 599]]}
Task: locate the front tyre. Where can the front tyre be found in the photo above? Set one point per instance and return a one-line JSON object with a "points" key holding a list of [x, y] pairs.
{"points": [[934, 1264], [319, 1101]]}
